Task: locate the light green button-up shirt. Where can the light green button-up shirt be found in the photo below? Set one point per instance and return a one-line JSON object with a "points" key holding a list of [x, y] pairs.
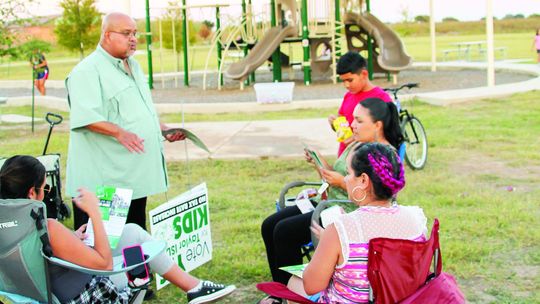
{"points": [[101, 90]]}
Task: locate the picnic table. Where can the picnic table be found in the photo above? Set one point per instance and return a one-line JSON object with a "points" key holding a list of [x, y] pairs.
{"points": [[465, 49]]}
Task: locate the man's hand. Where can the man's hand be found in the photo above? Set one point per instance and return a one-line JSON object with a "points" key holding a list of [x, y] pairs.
{"points": [[176, 136], [131, 141], [331, 119], [173, 136]]}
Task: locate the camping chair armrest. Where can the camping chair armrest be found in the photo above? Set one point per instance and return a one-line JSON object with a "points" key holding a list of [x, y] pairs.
{"points": [[317, 215], [150, 248], [289, 186]]}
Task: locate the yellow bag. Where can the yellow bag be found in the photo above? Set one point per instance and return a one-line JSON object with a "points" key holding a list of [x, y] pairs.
{"points": [[343, 130]]}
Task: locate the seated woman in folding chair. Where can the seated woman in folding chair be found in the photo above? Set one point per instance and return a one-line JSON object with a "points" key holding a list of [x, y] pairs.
{"points": [[24, 177], [284, 232], [338, 271]]}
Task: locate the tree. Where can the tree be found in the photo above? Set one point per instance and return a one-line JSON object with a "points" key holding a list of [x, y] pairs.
{"points": [[209, 24], [404, 11], [79, 27], [25, 50], [167, 32], [450, 19], [421, 18], [533, 16], [508, 16], [11, 12]]}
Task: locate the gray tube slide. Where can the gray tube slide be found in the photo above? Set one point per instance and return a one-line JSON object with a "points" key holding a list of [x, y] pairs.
{"points": [[260, 53], [392, 55]]}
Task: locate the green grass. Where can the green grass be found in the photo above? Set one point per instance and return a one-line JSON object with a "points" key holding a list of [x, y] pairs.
{"points": [[518, 46], [489, 236], [61, 63]]}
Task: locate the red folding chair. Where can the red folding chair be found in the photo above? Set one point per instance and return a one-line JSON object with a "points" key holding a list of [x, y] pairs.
{"points": [[397, 268], [398, 272]]}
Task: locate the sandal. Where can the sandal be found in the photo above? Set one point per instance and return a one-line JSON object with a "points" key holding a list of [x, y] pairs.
{"points": [[270, 300]]}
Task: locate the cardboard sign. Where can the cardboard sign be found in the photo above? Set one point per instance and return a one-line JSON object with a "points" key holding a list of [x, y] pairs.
{"points": [[184, 223], [113, 206]]}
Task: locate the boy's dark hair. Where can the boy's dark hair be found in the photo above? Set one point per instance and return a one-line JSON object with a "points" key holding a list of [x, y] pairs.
{"points": [[19, 174], [351, 62]]}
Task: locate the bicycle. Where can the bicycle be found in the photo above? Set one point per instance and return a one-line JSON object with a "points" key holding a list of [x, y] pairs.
{"points": [[415, 147]]}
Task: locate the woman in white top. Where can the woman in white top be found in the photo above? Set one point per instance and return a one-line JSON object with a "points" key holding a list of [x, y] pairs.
{"points": [[338, 271]]}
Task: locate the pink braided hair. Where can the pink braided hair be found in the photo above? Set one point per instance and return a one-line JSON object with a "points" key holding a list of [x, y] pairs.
{"points": [[384, 170]]}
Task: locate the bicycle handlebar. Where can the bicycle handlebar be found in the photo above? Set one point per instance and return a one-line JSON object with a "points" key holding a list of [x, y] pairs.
{"points": [[57, 118], [409, 85]]}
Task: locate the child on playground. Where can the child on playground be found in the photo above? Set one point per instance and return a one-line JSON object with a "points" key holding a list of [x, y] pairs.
{"points": [[39, 64], [536, 44], [352, 70]]}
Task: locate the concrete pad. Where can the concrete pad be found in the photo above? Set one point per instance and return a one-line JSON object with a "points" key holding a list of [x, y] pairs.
{"points": [[245, 107], [443, 98], [43, 101], [15, 118], [27, 84], [256, 139]]}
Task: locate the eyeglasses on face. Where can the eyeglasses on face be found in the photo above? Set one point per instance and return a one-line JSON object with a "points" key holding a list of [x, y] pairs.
{"points": [[127, 34], [45, 189]]}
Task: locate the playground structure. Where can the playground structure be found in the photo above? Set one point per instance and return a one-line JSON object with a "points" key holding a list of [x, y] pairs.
{"points": [[244, 44]]}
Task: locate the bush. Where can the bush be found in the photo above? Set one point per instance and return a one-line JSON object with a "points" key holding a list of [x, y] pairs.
{"points": [[467, 27], [450, 19], [25, 50], [421, 18], [167, 33]]}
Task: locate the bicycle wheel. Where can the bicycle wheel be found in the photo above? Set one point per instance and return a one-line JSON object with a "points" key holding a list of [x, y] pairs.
{"points": [[416, 146]]}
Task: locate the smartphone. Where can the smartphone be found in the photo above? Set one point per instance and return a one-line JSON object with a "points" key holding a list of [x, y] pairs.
{"points": [[314, 156], [134, 255]]}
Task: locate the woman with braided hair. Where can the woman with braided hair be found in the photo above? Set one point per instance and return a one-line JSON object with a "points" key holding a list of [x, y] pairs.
{"points": [[375, 175]]}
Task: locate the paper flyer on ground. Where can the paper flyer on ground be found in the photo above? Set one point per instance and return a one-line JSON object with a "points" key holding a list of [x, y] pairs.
{"points": [[296, 270], [189, 135], [184, 222], [114, 206]]}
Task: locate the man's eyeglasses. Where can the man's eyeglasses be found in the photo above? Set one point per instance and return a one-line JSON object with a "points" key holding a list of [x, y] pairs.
{"points": [[46, 188], [128, 34]]}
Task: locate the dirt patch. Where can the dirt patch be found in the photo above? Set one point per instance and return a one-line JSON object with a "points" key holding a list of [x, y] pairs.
{"points": [[505, 177]]}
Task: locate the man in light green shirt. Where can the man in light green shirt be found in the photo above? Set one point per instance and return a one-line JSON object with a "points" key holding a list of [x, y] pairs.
{"points": [[115, 137]]}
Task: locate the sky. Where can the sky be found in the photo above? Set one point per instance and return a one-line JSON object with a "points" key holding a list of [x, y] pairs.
{"points": [[386, 10]]}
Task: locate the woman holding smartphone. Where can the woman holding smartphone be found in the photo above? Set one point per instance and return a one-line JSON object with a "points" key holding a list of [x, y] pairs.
{"points": [[23, 176]]}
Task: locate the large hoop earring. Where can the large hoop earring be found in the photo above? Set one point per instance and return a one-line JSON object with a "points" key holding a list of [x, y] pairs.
{"points": [[358, 200]]}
